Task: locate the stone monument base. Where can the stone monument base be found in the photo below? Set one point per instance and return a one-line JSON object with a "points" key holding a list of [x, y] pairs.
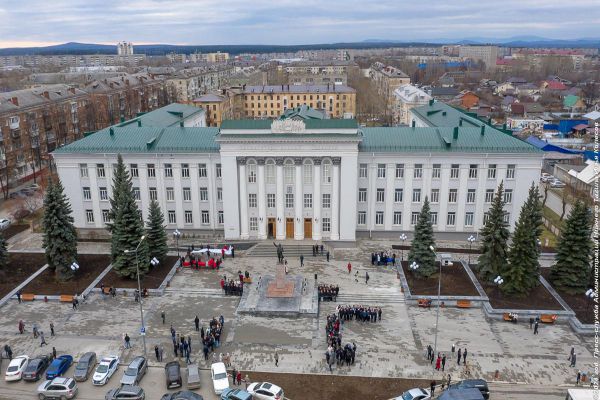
{"points": [[280, 289]]}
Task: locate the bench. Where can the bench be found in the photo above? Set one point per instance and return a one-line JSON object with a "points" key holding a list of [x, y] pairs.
{"points": [[27, 297], [426, 303], [548, 318], [66, 298], [247, 280], [106, 290], [463, 304], [506, 316]]}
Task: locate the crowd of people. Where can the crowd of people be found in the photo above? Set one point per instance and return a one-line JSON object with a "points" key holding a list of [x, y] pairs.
{"points": [[232, 287], [359, 312], [211, 338], [383, 258], [336, 352], [328, 292]]}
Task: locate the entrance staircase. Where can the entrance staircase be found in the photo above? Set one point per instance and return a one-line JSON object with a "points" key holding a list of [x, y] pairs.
{"points": [[291, 249]]}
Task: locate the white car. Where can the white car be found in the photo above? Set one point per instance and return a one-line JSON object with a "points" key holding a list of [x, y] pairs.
{"points": [[557, 184], [218, 373], [265, 391], [414, 394], [546, 177], [4, 223], [15, 369], [105, 369]]}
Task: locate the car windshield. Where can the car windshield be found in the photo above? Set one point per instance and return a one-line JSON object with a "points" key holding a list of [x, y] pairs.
{"points": [[222, 375], [82, 366], [102, 368], [12, 368], [407, 396], [131, 372]]}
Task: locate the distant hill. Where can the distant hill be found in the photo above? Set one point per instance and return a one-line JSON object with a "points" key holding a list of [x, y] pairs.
{"points": [[515, 41]]}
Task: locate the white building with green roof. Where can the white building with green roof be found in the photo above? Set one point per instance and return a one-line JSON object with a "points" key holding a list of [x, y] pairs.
{"points": [[296, 178]]}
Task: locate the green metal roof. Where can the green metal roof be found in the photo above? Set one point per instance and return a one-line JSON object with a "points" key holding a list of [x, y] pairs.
{"points": [[309, 123], [170, 115], [469, 140], [305, 112], [441, 114]]}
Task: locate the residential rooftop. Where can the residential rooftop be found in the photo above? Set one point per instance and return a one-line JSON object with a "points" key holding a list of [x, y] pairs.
{"points": [[299, 89]]}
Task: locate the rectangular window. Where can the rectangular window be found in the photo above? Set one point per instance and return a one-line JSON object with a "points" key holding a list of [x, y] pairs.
{"points": [[253, 224], [89, 215], [289, 200], [87, 193], [203, 194], [170, 194], [326, 200], [151, 170], [271, 200], [171, 217], [469, 219], [433, 218], [220, 217], [251, 173], [362, 171], [326, 225], [252, 200], [152, 193], [398, 195], [100, 172], [219, 194], [187, 194], [168, 170], [270, 173], [202, 170], [507, 218], [489, 195], [362, 218], [508, 196], [133, 168], [136, 193], [397, 218], [510, 171], [326, 173], [205, 217], [435, 195], [380, 195], [188, 217], [414, 218], [454, 169], [452, 195], [486, 217], [381, 170], [362, 195], [451, 219], [218, 170], [83, 170], [399, 171], [308, 174], [492, 171], [105, 216], [471, 196], [103, 193], [473, 171], [436, 172], [307, 200], [185, 170], [418, 172], [379, 218], [416, 197]]}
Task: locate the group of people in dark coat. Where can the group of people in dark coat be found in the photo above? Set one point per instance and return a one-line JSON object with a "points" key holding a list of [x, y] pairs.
{"points": [[211, 338], [232, 287], [359, 312], [328, 292], [383, 258], [336, 353]]}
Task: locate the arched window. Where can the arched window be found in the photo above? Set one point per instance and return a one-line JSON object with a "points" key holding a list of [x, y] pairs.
{"points": [[251, 171], [326, 171], [271, 176], [308, 172], [288, 171]]}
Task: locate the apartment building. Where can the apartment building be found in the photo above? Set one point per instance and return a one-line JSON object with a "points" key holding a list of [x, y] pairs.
{"points": [[73, 60], [317, 72], [190, 83], [387, 79], [487, 54], [406, 98]]}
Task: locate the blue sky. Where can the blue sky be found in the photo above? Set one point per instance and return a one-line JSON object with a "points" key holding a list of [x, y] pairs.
{"points": [[43, 22]]}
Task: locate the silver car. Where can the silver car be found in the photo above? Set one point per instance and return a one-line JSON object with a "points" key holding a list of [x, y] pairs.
{"points": [[135, 371], [58, 388], [126, 392], [85, 366]]}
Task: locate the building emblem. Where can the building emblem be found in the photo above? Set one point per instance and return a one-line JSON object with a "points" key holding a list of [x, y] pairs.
{"points": [[288, 126]]}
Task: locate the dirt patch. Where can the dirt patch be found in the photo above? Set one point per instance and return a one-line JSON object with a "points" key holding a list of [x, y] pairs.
{"points": [[152, 280], [337, 387], [20, 267], [90, 266], [578, 302], [455, 282], [13, 230]]}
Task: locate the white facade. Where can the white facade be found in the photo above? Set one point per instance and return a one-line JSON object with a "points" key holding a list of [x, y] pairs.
{"points": [[407, 97]]}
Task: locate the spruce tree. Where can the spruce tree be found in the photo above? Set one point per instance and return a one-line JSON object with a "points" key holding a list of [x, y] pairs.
{"points": [[494, 237], [3, 253], [572, 268], [60, 236], [126, 227], [156, 234], [521, 273], [420, 251]]}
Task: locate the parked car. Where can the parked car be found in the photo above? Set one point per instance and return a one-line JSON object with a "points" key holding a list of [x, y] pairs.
{"points": [[27, 191], [173, 374], [183, 395], [105, 369], [218, 373], [58, 388], [15, 369], [34, 186], [4, 223], [557, 184], [235, 394], [126, 392], [35, 368], [479, 384], [59, 366], [17, 194], [86, 364], [415, 394], [265, 391], [545, 177], [135, 371], [193, 377]]}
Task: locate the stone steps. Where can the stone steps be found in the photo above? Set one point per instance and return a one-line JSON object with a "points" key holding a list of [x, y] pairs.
{"points": [[202, 292], [290, 250], [372, 299]]}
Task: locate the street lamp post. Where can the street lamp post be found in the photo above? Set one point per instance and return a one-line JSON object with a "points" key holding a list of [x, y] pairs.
{"points": [[137, 267], [470, 239], [403, 237], [498, 281], [591, 295], [437, 315], [177, 235], [75, 268], [414, 266]]}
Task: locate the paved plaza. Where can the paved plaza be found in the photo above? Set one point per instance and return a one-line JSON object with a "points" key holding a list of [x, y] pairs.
{"points": [[394, 347]]}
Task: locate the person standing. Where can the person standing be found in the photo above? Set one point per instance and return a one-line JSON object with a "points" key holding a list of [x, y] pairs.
{"points": [[51, 329], [327, 255], [535, 328], [156, 352], [301, 260], [234, 376], [453, 349], [531, 322], [438, 363], [162, 315], [42, 339], [127, 341], [197, 323], [232, 251], [54, 353], [443, 362], [432, 387], [19, 296], [465, 356], [366, 277], [459, 356], [573, 360], [349, 266], [276, 359], [571, 354], [160, 353], [578, 377]]}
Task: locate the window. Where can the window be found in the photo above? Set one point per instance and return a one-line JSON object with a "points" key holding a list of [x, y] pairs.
{"points": [[326, 225], [381, 170], [414, 218], [451, 219], [436, 172], [103, 193], [362, 218], [87, 193], [218, 170], [202, 170], [187, 194], [486, 217], [307, 200], [289, 200], [152, 193], [433, 218], [452, 195], [473, 171], [136, 193], [288, 172], [271, 200], [252, 200], [188, 217], [397, 218], [416, 197], [83, 170], [133, 168], [253, 224], [510, 171], [308, 174], [506, 217], [203, 194], [380, 195], [204, 217], [362, 171], [170, 194], [105, 216], [469, 219], [185, 170], [418, 172], [379, 218], [489, 195], [151, 170], [326, 200], [398, 194], [220, 217], [492, 171], [454, 171], [89, 215], [508, 196], [362, 195], [251, 172], [270, 172], [171, 217], [168, 171], [435, 195], [471, 196], [326, 171], [100, 173], [219, 194], [399, 171]]}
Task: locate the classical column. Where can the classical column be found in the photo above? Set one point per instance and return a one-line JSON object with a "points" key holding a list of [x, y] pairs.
{"points": [[298, 206], [243, 200], [335, 200], [279, 200], [316, 234], [262, 201]]}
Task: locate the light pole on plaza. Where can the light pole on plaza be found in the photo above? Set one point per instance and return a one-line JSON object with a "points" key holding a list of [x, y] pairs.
{"points": [[499, 281], [471, 239], [590, 295], [403, 237], [137, 267], [75, 268], [437, 315], [177, 235]]}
